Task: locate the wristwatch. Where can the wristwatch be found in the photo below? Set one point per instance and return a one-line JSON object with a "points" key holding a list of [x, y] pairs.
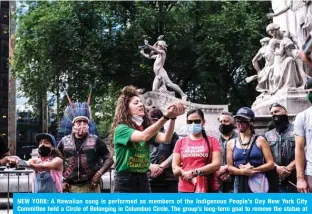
{"points": [[200, 173]]}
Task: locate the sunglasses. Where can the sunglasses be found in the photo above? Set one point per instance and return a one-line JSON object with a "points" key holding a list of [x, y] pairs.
{"points": [[193, 121], [242, 121]]}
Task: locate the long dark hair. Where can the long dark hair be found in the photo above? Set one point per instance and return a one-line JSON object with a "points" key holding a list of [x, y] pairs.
{"points": [[201, 115]]}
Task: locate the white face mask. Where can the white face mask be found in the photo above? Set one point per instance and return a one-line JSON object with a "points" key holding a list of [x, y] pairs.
{"points": [[137, 120]]}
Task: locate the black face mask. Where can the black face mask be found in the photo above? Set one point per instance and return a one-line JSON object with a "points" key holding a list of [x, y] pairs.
{"points": [[281, 122], [44, 151], [226, 129]]}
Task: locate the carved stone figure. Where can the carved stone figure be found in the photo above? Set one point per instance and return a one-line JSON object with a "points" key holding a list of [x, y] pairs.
{"points": [[161, 78], [264, 73], [286, 73], [303, 15]]}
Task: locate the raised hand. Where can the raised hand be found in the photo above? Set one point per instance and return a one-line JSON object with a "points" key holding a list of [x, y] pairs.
{"points": [[145, 42]]}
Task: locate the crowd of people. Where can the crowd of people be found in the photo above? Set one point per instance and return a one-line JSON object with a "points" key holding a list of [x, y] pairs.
{"points": [[151, 158]]}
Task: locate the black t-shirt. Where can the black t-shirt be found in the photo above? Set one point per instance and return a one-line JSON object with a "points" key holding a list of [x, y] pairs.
{"points": [[3, 147], [159, 153]]}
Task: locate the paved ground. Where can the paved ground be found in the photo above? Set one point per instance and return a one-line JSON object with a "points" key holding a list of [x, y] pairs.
{"points": [[5, 211]]}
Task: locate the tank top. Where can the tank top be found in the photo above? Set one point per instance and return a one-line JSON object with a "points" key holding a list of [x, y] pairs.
{"points": [[240, 155]]}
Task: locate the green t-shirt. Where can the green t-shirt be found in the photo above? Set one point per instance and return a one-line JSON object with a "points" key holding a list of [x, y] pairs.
{"points": [[133, 157]]}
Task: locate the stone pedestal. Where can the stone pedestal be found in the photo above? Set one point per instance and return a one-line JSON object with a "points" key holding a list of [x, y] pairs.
{"points": [[162, 100], [293, 99]]}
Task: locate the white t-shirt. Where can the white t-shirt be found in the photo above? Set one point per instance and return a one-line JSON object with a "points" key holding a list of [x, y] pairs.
{"points": [[303, 128]]}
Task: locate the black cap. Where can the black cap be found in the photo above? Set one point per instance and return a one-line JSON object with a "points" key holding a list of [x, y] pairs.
{"points": [[45, 136], [277, 105], [246, 113]]}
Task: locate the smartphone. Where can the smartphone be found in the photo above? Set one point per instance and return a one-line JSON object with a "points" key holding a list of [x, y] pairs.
{"points": [[23, 163]]}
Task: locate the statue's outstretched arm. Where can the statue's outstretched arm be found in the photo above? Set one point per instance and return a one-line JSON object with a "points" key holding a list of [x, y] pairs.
{"points": [[285, 9], [152, 48], [147, 55]]}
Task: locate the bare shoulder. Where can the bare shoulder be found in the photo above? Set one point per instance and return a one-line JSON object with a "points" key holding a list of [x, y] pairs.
{"points": [[261, 141], [230, 144]]}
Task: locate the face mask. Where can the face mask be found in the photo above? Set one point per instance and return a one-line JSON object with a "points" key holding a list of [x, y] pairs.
{"points": [[137, 120], [44, 151], [225, 129], [281, 122], [194, 128], [242, 127], [309, 97], [81, 129]]}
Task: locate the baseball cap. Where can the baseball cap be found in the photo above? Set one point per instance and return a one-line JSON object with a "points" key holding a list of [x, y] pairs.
{"points": [[277, 105], [246, 113], [45, 136]]}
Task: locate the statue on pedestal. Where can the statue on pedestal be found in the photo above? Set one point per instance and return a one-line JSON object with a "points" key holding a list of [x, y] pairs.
{"points": [[264, 74], [161, 78]]}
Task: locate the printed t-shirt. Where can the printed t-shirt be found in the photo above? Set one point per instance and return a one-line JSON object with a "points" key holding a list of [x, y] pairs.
{"points": [[130, 156], [194, 154]]}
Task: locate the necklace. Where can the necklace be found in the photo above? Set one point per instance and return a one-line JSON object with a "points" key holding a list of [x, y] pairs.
{"points": [[244, 144]]}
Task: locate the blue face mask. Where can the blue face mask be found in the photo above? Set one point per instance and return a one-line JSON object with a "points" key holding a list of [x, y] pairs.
{"points": [[194, 128]]}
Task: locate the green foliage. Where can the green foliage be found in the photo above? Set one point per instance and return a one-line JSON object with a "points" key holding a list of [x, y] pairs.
{"points": [[211, 45]]}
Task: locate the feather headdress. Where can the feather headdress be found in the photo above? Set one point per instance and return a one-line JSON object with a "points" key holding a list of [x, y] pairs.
{"points": [[72, 112]]}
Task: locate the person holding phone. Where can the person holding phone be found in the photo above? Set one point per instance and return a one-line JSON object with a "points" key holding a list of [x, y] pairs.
{"points": [[48, 166]]}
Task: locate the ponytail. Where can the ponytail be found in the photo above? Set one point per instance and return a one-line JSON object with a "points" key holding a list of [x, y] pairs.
{"points": [[208, 144]]}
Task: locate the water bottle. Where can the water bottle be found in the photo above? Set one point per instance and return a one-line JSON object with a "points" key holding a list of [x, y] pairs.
{"points": [[202, 183]]}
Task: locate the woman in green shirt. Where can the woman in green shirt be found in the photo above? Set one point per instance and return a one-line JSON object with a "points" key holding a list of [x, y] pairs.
{"points": [[130, 136]]}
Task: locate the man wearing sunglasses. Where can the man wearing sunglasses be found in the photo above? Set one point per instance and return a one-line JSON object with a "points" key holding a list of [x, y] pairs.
{"points": [[303, 151], [226, 128], [161, 175], [282, 145]]}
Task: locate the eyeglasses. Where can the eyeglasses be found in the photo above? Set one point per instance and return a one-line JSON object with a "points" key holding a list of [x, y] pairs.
{"points": [[193, 121]]}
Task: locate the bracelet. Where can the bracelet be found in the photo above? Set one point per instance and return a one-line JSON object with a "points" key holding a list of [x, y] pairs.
{"points": [[99, 173], [167, 118], [173, 118]]}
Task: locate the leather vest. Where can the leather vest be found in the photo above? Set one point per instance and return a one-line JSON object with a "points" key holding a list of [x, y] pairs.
{"points": [[81, 164]]}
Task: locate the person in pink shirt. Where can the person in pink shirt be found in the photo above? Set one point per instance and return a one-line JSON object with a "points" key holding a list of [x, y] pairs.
{"points": [[48, 166], [193, 162]]}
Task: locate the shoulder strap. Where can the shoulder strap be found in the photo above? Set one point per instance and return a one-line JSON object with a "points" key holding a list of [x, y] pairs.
{"points": [[248, 155]]}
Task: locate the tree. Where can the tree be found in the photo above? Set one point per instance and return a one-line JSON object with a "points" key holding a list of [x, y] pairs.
{"points": [[211, 45]]}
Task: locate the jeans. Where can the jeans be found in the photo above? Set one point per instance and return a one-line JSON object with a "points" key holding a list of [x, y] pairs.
{"points": [[131, 182], [287, 189], [164, 186]]}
